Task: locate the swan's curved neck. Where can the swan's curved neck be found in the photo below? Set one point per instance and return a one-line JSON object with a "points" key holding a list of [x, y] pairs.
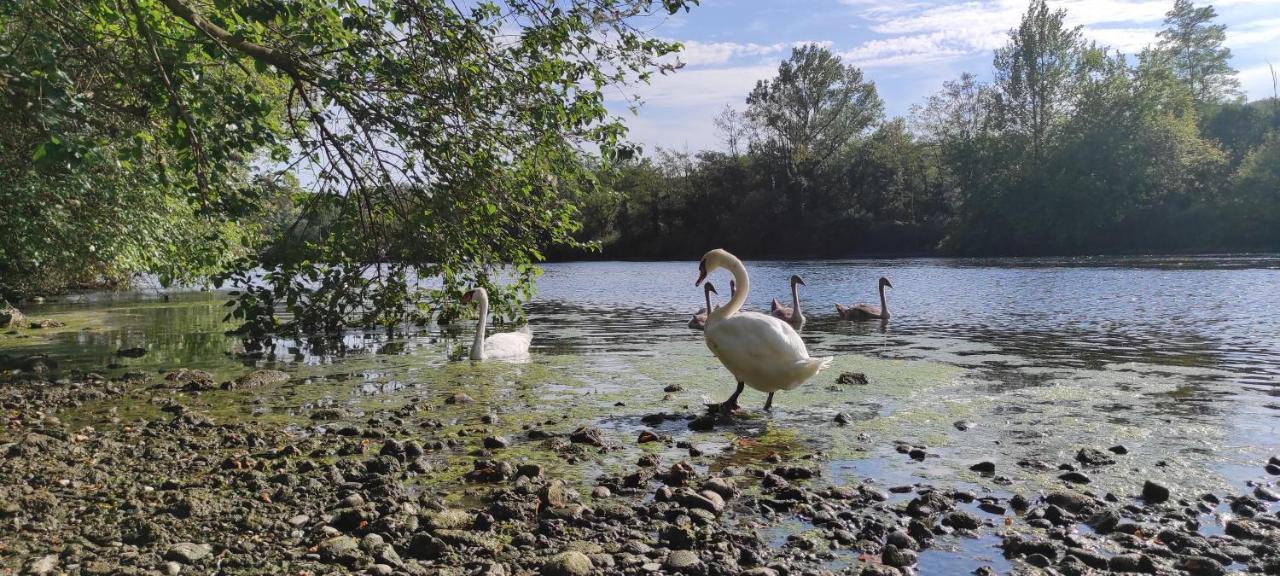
{"points": [[884, 304], [708, 294], [795, 297], [735, 267], [477, 347]]}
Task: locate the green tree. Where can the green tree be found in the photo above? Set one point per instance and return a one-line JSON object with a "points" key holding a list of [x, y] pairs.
{"points": [[1036, 73], [1194, 46], [807, 113], [431, 139]]}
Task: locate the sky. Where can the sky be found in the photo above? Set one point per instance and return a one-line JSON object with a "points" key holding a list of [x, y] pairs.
{"points": [[907, 47]]}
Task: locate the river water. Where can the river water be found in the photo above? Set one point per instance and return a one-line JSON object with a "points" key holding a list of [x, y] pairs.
{"points": [[1008, 360]]}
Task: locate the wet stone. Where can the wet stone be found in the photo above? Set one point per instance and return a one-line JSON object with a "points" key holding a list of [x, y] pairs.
{"points": [[1075, 477], [1131, 563], [587, 435], [1154, 493], [571, 563], [984, 467], [1267, 494], [681, 560], [898, 557]]}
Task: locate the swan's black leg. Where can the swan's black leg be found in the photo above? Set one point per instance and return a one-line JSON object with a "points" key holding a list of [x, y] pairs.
{"points": [[731, 404], [768, 404]]}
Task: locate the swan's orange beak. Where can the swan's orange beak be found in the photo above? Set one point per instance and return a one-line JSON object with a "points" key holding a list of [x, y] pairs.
{"points": [[466, 298], [702, 273]]}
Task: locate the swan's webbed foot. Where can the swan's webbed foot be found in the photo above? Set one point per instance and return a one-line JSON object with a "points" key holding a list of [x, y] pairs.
{"points": [[728, 406]]}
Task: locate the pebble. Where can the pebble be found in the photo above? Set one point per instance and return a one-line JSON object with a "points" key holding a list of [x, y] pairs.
{"points": [[898, 557], [984, 467], [188, 552], [1265, 493], [587, 435], [682, 560], [44, 565], [1075, 478], [1154, 493], [459, 398], [570, 563], [495, 442]]}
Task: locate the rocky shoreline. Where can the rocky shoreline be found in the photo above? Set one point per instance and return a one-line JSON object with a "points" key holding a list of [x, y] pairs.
{"points": [[182, 493]]}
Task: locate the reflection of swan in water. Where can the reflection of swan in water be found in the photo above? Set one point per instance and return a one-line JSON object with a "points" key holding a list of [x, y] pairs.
{"points": [[699, 319], [501, 346], [791, 315], [866, 311], [761, 351]]}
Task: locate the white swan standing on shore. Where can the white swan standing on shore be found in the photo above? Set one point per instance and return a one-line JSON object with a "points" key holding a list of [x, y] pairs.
{"points": [[501, 346], [761, 351]]}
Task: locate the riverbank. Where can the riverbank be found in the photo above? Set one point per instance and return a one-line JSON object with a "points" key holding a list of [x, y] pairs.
{"points": [[449, 484]]}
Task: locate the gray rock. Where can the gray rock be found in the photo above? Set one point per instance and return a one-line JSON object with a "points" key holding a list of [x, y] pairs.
{"points": [[258, 378], [569, 563], [188, 552], [340, 550], [44, 565], [1154, 493], [1131, 563], [897, 557], [682, 560], [1265, 493], [1075, 477], [495, 442], [1072, 502], [1202, 566], [11, 317]]}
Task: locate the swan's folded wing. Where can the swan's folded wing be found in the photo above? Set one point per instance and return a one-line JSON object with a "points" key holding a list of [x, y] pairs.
{"points": [[753, 335]]}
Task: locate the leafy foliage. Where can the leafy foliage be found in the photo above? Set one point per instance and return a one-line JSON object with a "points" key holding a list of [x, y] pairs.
{"points": [[400, 135]]}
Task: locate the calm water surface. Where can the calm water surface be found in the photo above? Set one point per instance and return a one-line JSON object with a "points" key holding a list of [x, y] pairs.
{"points": [[1178, 358]]}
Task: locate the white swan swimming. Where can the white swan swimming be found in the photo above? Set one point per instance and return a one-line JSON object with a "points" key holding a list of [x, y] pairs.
{"points": [[761, 351], [502, 346], [699, 320], [791, 315]]}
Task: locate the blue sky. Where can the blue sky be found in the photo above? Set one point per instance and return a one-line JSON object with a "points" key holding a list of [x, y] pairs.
{"points": [[908, 48]]}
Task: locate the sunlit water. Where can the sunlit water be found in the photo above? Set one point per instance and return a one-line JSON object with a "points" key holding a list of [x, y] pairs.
{"points": [[1178, 358]]}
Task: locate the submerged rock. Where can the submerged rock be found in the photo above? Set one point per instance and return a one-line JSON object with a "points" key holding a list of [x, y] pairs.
{"points": [[257, 378], [852, 379], [135, 352]]}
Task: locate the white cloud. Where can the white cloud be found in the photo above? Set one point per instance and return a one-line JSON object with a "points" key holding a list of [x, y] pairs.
{"points": [[704, 86], [697, 53], [1254, 33], [1127, 40], [918, 49], [1257, 81]]}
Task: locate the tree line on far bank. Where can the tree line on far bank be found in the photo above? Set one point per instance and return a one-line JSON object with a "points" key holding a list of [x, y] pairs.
{"points": [[1071, 148]]}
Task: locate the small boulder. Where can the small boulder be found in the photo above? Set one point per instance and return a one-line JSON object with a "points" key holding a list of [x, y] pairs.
{"points": [[571, 563], [1154, 493], [188, 552]]}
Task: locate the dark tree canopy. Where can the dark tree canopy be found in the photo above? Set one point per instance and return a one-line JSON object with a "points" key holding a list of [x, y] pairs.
{"points": [[1072, 149], [415, 137]]}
